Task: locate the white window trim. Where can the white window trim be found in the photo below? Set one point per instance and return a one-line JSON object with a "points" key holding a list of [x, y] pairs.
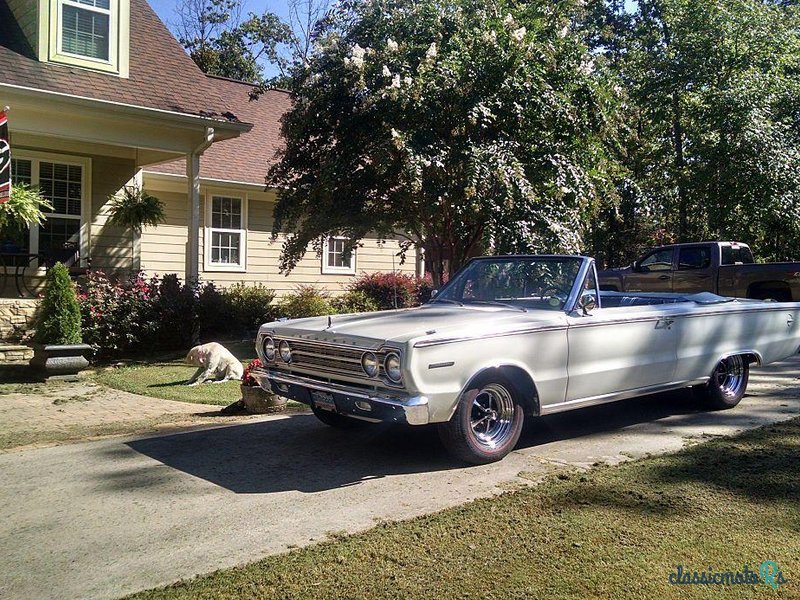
{"points": [[208, 265], [86, 197], [330, 270], [118, 37]]}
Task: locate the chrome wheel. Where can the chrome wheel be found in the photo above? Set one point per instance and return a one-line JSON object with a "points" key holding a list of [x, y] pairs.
{"points": [[492, 416], [730, 376]]}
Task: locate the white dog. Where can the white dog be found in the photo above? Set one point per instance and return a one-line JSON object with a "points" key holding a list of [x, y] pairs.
{"points": [[213, 360]]}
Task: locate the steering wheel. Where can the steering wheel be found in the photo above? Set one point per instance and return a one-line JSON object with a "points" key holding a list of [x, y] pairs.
{"points": [[556, 294]]}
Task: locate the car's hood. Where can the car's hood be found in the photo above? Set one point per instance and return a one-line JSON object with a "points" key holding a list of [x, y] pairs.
{"points": [[430, 321]]}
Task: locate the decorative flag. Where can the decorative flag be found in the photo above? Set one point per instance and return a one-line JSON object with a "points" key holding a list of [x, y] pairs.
{"points": [[5, 160]]}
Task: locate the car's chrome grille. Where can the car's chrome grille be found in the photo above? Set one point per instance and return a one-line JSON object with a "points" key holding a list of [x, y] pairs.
{"points": [[334, 359], [329, 361]]}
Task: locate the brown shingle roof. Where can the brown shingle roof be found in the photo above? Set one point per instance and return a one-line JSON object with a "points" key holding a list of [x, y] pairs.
{"points": [[248, 157], [162, 76]]}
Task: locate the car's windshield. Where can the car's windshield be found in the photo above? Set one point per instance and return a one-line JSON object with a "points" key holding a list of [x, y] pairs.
{"points": [[518, 282]]}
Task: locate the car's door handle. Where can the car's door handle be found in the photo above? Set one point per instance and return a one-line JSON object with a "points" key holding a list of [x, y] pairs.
{"points": [[702, 276], [664, 277]]}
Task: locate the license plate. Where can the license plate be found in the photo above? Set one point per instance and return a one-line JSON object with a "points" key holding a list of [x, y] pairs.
{"points": [[323, 400]]}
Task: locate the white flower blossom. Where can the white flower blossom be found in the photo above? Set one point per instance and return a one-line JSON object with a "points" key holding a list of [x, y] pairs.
{"points": [[519, 34], [391, 45], [407, 80], [564, 31], [386, 72], [431, 53], [395, 134], [356, 56], [509, 20], [396, 81]]}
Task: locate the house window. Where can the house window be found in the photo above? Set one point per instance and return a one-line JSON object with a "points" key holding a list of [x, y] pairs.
{"points": [[64, 183], [85, 28], [333, 257], [226, 237]]}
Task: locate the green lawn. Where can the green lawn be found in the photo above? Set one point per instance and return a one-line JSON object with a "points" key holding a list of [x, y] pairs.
{"points": [[614, 532], [167, 378]]}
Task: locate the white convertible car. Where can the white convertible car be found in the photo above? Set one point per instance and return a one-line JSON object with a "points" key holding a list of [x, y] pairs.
{"points": [[511, 336]]}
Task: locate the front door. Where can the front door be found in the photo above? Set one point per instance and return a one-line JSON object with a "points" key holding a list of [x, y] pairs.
{"points": [[695, 272], [653, 273], [620, 349]]}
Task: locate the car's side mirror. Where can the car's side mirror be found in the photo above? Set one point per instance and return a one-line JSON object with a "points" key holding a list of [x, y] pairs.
{"points": [[433, 293], [635, 266], [587, 303]]}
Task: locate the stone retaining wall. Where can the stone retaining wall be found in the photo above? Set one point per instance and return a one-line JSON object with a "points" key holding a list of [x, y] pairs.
{"points": [[16, 317], [12, 354]]}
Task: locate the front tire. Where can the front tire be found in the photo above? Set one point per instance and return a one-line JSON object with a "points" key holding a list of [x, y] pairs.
{"points": [[727, 384], [487, 422]]}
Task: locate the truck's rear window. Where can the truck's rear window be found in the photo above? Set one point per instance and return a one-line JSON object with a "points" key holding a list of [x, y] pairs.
{"points": [[736, 255]]}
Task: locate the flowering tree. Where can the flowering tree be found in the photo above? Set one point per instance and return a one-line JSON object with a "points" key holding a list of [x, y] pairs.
{"points": [[462, 126]]}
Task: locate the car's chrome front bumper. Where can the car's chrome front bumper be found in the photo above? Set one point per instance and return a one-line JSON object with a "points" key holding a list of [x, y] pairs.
{"points": [[369, 405]]}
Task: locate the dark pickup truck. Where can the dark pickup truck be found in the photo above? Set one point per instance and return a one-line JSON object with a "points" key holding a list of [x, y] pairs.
{"points": [[724, 268]]}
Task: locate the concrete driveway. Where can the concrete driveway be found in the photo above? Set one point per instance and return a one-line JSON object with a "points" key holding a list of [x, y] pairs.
{"points": [[107, 518]]}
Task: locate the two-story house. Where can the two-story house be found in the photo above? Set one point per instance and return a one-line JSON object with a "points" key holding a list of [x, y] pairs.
{"points": [[101, 96]]}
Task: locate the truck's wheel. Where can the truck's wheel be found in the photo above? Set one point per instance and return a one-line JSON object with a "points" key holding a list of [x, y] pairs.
{"points": [[336, 420], [487, 423], [727, 384]]}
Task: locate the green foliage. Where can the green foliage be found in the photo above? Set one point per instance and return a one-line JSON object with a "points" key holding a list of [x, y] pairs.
{"points": [[59, 319], [305, 301], [134, 208], [469, 126], [221, 43], [712, 143], [24, 207], [354, 301], [249, 306]]}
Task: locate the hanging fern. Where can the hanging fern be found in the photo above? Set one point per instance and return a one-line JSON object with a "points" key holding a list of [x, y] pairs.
{"points": [[134, 208], [24, 207]]}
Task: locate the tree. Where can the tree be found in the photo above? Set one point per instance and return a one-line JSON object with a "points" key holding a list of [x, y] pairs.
{"points": [[462, 126], [223, 44], [713, 101]]}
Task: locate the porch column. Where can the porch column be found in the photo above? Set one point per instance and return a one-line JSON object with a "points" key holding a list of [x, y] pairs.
{"points": [[192, 270], [193, 181]]}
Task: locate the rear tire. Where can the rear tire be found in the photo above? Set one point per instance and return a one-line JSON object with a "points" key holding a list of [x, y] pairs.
{"points": [[335, 420], [727, 384], [487, 422]]}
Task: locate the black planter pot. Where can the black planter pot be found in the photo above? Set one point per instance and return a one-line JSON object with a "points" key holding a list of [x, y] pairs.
{"points": [[59, 363]]}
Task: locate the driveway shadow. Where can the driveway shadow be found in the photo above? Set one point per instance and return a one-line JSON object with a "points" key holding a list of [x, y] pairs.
{"points": [[300, 453]]}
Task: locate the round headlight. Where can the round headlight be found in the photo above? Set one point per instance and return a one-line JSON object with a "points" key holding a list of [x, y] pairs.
{"points": [[268, 345], [285, 351], [370, 364], [392, 366]]}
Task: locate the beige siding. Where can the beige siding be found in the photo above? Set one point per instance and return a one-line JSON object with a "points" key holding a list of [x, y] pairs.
{"points": [[26, 13], [163, 249], [111, 247]]}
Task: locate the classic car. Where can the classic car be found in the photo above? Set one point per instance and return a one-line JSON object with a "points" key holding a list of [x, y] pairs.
{"points": [[516, 336]]}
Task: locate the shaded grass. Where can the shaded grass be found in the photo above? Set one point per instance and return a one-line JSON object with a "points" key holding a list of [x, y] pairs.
{"points": [[167, 378], [613, 532]]}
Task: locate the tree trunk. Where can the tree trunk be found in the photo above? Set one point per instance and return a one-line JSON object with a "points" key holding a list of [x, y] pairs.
{"points": [[677, 132]]}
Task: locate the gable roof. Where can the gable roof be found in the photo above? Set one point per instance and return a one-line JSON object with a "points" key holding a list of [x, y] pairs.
{"points": [[247, 158], [162, 75]]}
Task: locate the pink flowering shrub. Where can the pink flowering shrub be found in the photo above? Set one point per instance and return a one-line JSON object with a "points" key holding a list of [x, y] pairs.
{"points": [[393, 290]]}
